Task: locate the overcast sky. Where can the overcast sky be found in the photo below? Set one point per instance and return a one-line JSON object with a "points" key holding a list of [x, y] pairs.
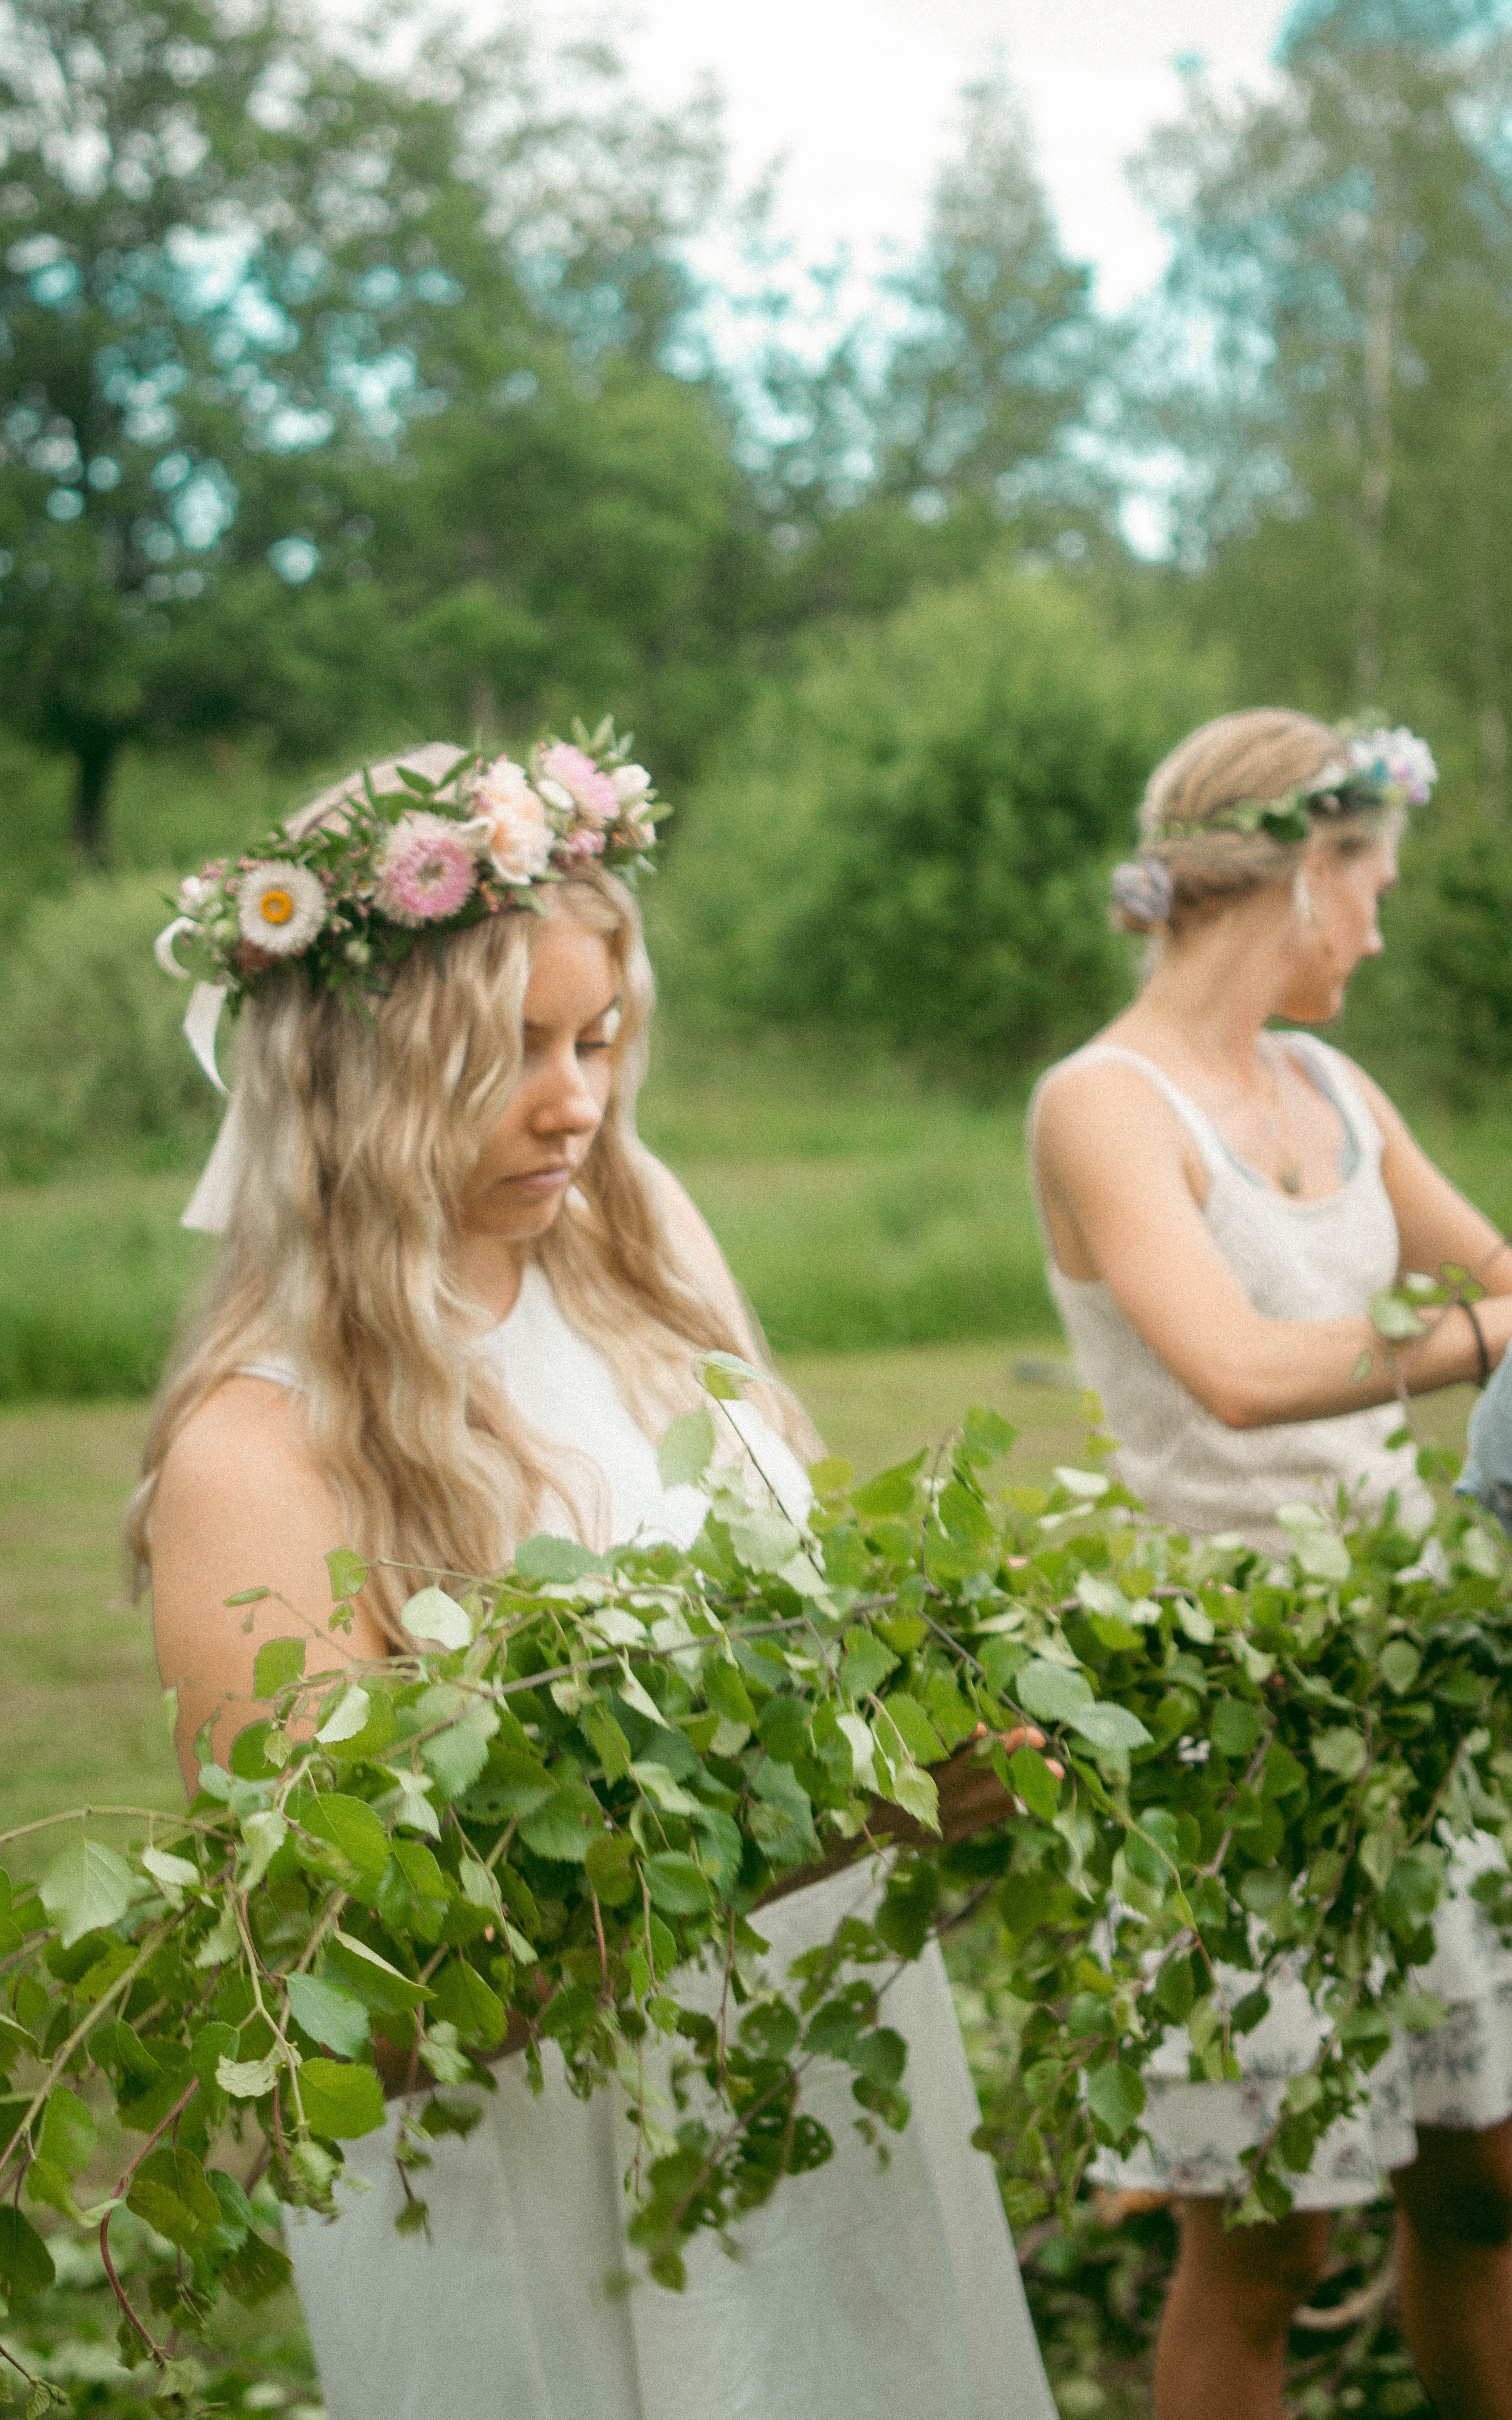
{"points": [[859, 95]]}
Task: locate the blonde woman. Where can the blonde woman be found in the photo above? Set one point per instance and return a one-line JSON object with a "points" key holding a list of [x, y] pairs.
{"points": [[457, 1302], [1220, 1201]]}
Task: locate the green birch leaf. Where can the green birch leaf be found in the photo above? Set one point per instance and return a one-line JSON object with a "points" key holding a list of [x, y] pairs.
{"points": [[558, 1561], [563, 1827], [379, 1986], [915, 1792], [171, 2192], [436, 1619], [1116, 2096], [329, 2013], [1035, 1783], [340, 2103], [246, 2079], [348, 1573], [68, 2135], [1052, 1691], [1400, 1664], [686, 1448], [463, 1999], [87, 1888], [347, 1717], [677, 1885], [349, 1827], [173, 1875], [278, 1664], [26, 2263]]}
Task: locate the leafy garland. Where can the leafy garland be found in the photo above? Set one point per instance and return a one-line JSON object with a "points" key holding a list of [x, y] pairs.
{"points": [[591, 1770]]}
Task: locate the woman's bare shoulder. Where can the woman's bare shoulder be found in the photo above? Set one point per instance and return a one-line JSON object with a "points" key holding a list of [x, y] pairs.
{"points": [[246, 1439], [1092, 1103]]}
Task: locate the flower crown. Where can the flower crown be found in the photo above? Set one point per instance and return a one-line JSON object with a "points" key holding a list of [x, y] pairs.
{"points": [[347, 897], [1379, 770]]}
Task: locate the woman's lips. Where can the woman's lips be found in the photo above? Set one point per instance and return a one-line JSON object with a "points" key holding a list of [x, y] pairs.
{"points": [[541, 1180]]}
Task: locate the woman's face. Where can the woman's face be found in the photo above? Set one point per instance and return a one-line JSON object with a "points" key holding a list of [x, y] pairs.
{"points": [[1334, 922], [557, 1108]]}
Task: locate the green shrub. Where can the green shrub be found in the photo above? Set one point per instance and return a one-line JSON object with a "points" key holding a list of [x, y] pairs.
{"points": [[915, 837], [94, 1059]]}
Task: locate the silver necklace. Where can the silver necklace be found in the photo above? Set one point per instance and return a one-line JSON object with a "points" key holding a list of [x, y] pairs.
{"points": [[1288, 1167]]}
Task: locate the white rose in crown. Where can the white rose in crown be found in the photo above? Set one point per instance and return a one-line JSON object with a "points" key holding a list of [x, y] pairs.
{"points": [[519, 834], [631, 784]]}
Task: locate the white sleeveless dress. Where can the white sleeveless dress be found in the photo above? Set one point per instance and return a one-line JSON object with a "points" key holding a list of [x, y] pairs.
{"points": [[859, 2294], [1296, 1260]]}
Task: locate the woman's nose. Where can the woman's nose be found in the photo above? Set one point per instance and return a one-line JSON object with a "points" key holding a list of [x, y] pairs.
{"points": [[566, 1104]]}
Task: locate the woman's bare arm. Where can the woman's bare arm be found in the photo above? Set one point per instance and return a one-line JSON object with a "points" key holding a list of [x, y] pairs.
{"points": [[1114, 1166], [242, 1504]]}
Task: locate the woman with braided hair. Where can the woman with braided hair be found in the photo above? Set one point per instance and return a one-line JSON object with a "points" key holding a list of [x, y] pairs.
{"points": [[1220, 1201]]}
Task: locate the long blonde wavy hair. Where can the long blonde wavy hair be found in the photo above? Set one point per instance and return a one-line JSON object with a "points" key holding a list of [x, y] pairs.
{"points": [[338, 1253]]}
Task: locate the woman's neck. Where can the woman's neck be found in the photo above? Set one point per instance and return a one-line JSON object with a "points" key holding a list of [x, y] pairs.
{"points": [[488, 1270], [1211, 994]]}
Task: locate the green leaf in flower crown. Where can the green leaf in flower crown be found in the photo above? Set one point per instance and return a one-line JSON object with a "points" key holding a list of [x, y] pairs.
{"points": [[85, 1888], [559, 1559], [686, 1448], [280, 1661], [26, 2263], [329, 2013], [340, 2102]]}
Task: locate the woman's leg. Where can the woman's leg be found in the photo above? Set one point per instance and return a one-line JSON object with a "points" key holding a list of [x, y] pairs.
{"points": [[1455, 2245], [1223, 2340]]}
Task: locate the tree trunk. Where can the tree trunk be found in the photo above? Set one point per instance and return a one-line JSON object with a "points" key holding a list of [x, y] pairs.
{"points": [[94, 759]]}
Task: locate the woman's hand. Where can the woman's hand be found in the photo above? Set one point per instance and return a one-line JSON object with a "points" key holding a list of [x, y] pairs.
{"points": [[972, 1798]]}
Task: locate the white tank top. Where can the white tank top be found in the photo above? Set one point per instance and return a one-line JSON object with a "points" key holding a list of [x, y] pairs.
{"points": [[566, 1390], [1295, 1260]]}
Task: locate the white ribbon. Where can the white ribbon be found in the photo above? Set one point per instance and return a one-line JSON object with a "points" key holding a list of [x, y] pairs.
{"points": [[202, 1017], [214, 1197], [201, 1021]]}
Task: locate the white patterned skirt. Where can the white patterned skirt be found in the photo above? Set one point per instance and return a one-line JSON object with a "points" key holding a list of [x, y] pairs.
{"points": [[1457, 2076]]}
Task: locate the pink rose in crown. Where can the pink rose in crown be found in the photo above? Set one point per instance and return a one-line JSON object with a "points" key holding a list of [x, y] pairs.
{"points": [[582, 844], [570, 778], [519, 838], [428, 870]]}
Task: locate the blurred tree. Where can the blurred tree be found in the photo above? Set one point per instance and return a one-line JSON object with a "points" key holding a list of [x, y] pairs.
{"points": [[913, 837], [953, 423], [1334, 367], [331, 385]]}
